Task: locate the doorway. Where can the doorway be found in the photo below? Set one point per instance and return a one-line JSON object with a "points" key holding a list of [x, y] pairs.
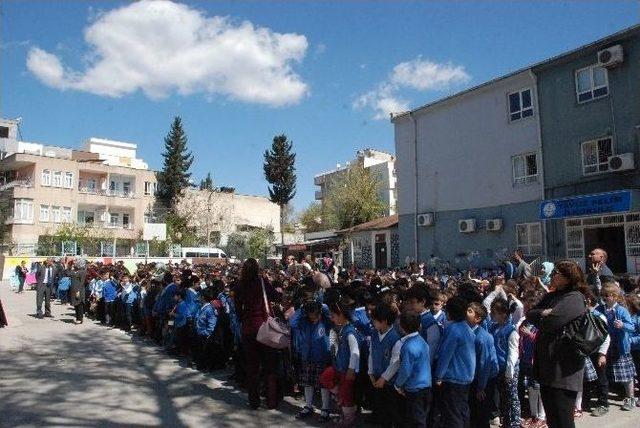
{"points": [[610, 239], [381, 251]]}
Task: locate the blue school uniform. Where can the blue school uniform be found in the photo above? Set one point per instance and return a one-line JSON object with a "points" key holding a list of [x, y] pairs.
{"points": [[441, 319], [182, 314], [501, 335], [457, 356], [634, 338], [381, 351], [191, 297], [362, 322], [343, 354], [313, 340], [166, 300], [486, 359], [431, 333], [414, 372], [620, 338], [109, 291], [206, 320]]}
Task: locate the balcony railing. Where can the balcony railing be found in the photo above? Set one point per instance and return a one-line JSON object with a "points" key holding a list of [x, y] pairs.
{"points": [[319, 194], [26, 183], [11, 220], [101, 192]]}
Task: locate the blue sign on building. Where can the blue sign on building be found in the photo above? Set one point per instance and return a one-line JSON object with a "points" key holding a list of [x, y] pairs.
{"points": [[602, 203]]}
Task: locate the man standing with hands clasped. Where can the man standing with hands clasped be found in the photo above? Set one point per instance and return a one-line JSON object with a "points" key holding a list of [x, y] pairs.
{"points": [[44, 282]]}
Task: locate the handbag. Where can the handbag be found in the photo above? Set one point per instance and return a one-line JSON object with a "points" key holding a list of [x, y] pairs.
{"points": [[272, 332], [585, 334]]}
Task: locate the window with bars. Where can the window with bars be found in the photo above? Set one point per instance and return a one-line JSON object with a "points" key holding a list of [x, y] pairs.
{"points": [[525, 168], [595, 155], [529, 238], [520, 105], [591, 83]]}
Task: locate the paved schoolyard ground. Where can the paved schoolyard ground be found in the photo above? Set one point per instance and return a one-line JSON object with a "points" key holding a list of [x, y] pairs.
{"points": [[54, 373]]}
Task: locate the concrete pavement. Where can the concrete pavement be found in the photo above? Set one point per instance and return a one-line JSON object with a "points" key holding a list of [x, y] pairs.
{"points": [[54, 373]]}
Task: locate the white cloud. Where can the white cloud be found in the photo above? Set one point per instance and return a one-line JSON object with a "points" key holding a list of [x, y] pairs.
{"points": [[416, 74], [158, 47]]}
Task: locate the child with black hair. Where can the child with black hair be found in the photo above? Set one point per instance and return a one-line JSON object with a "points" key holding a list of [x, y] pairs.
{"points": [[417, 301], [483, 388], [413, 379], [456, 365], [341, 376], [384, 360], [312, 349], [506, 341]]}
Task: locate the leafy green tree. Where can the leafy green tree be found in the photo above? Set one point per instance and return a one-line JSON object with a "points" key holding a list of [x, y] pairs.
{"points": [[206, 183], [259, 243], [174, 176], [236, 245], [280, 172], [312, 218], [353, 198]]}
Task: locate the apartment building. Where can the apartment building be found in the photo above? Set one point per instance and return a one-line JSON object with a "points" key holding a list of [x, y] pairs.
{"points": [[103, 184], [381, 165]]}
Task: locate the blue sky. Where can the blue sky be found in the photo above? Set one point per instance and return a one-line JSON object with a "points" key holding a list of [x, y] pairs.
{"points": [[323, 73]]}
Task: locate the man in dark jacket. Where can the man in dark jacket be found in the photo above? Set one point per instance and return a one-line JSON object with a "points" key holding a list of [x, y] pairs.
{"points": [[45, 277], [599, 272], [78, 275]]}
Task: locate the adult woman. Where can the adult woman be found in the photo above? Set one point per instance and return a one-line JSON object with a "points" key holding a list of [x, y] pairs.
{"points": [[251, 310], [78, 275], [559, 372]]}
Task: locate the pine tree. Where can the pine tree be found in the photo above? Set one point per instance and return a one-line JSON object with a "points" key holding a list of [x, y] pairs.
{"points": [[206, 183], [175, 174], [279, 170]]}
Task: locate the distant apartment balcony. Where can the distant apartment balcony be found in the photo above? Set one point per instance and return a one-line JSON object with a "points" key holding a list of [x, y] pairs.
{"points": [[319, 179], [100, 192], [25, 183], [319, 195], [119, 226], [11, 220]]}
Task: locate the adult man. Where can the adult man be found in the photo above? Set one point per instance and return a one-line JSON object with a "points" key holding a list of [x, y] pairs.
{"points": [[21, 274], [45, 276], [77, 292], [523, 269], [599, 272]]}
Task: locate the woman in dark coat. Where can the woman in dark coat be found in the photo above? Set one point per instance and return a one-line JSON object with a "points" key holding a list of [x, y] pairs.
{"points": [[559, 371], [251, 310], [78, 275]]}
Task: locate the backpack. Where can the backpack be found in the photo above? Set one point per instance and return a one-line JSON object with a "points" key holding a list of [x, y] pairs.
{"points": [[585, 334], [64, 283]]}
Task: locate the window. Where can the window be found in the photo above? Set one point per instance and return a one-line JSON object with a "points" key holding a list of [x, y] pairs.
{"points": [[529, 238], [66, 214], [126, 188], [520, 105], [4, 132], [595, 155], [46, 177], [23, 210], [125, 221], [68, 180], [85, 217], [57, 179], [149, 188], [91, 185], [114, 219], [55, 214], [525, 168], [591, 83], [147, 218], [44, 213]]}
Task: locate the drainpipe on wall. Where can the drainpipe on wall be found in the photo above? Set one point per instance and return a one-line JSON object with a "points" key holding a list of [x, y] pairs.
{"points": [[539, 122], [415, 186]]}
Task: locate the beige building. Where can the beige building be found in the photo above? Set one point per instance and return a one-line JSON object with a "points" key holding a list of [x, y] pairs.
{"points": [[381, 165], [223, 212], [103, 185]]}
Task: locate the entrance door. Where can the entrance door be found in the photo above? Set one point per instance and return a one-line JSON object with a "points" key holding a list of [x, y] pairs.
{"points": [[610, 239], [381, 251]]}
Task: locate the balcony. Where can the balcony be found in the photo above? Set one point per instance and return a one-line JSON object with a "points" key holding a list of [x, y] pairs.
{"points": [[25, 183], [319, 179], [11, 220], [319, 195]]}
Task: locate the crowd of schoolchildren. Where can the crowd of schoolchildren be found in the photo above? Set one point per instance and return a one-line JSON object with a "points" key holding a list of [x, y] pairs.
{"points": [[413, 347]]}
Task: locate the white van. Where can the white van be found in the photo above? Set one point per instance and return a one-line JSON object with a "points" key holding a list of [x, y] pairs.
{"points": [[191, 252]]}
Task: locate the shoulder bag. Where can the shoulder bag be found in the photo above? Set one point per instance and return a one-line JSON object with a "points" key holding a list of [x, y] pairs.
{"points": [[272, 332], [585, 334]]}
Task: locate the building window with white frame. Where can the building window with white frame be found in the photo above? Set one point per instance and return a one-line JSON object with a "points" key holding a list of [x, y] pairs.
{"points": [[595, 155], [125, 220], [44, 213], [66, 214], [57, 179], [68, 180], [55, 214], [85, 217], [525, 168], [46, 177], [114, 219], [591, 83], [23, 210], [529, 238], [149, 188], [520, 105]]}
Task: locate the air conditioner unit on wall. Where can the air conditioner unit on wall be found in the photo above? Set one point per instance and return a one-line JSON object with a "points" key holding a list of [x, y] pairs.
{"points": [[611, 57], [425, 219], [621, 162], [494, 224], [467, 225]]}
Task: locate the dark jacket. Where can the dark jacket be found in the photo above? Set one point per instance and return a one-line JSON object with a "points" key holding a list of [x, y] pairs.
{"points": [[77, 291], [40, 274], [250, 306], [553, 366], [604, 274]]}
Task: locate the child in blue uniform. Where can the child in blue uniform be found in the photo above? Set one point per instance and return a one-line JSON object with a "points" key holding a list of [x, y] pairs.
{"points": [[413, 379], [506, 341], [312, 332], [417, 298], [633, 303], [341, 376], [456, 367], [384, 360], [205, 325]]}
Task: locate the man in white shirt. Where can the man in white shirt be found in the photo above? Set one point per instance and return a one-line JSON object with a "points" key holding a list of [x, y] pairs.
{"points": [[45, 275]]}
